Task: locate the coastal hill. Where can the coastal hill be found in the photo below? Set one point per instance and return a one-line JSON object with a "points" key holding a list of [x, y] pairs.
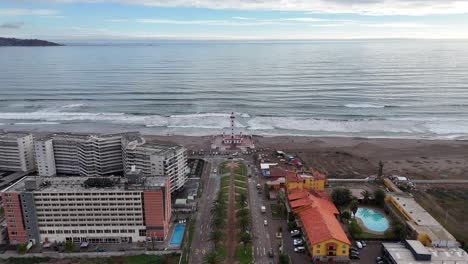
{"points": [[26, 42]]}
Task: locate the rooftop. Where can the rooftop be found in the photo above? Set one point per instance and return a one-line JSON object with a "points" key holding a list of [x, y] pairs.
{"points": [[318, 216], [403, 255], [422, 220], [12, 135], [83, 184]]}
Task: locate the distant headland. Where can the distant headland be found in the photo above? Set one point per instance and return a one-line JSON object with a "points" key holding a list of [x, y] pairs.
{"points": [[26, 42]]}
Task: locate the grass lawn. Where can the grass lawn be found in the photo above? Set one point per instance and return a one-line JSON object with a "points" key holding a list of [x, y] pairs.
{"points": [[276, 214], [221, 251], [224, 181], [189, 234], [241, 178], [365, 235], [244, 256], [241, 169], [240, 190], [223, 169], [240, 184]]}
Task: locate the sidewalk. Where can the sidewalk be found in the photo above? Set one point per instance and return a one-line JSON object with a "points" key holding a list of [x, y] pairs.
{"points": [[57, 255]]}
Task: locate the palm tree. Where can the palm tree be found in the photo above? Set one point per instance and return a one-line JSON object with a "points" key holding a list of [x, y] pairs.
{"points": [[216, 236], [212, 258], [242, 212], [354, 207], [366, 196], [245, 238], [217, 222], [242, 199], [244, 222]]}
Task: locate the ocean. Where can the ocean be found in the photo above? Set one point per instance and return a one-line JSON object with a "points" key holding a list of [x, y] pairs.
{"points": [[357, 88]]}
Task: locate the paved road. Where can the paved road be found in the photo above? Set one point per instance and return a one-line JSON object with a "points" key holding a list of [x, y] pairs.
{"points": [[262, 235], [201, 244]]}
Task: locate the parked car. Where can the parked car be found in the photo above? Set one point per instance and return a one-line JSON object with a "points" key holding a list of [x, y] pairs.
{"points": [[295, 233], [354, 252], [353, 248], [265, 222], [298, 242], [270, 253], [363, 243], [215, 171], [354, 257], [299, 249], [358, 244], [378, 259], [380, 262]]}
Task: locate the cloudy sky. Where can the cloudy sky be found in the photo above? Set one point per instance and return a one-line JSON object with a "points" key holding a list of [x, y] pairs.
{"points": [[233, 19]]}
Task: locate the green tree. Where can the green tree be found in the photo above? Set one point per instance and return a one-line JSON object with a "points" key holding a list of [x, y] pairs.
{"points": [[346, 215], [68, 246], [354, 205], [243, 212], [22, 248], [366, 196], [216, 236], [283, 259], [280, 202], [354, 229], [399, 231], [292, 225], [341, 197], [212, 258], [244, 222], [379, 196], [245, 238], [242, 200]]}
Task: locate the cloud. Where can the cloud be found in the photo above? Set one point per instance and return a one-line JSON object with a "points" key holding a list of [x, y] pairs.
{"points": [[26, 12], [241, 18], [235, 21], [206, 22], [366, 7], [401, 25], [11, 25]]}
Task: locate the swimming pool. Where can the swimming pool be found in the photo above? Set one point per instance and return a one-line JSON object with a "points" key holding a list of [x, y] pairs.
{"points": [[372, 220], [177, 236]]}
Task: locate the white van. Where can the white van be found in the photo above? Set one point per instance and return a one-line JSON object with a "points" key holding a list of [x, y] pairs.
{"points": [[358, 245]]}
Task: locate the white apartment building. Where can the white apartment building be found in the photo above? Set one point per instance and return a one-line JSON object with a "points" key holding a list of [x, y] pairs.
{"points": [[80, 154], [45, 160], [156, 159], [16, 152]]}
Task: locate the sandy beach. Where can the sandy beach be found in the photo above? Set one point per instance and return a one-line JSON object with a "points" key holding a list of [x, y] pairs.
{"points": [[359, 157]]}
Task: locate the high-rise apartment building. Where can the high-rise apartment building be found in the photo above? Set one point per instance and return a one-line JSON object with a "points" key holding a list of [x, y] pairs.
{"points": [[156, 159], [45, 160], [84, 209], [80, 154], [16, 152]]}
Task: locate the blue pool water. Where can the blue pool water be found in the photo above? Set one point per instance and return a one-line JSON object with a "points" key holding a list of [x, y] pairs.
{"points": [[372, 220], [177, 236]]}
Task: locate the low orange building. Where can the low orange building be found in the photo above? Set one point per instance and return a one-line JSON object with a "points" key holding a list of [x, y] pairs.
{"points": [[317, 216]]}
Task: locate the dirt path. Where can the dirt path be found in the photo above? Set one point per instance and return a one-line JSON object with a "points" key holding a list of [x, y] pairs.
{"points": [[231, 217]]}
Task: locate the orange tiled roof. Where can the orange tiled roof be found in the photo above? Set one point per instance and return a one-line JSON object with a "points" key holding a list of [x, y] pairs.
{"points": [[295, 194], [319, 219], [291, 176], [319, 175]]}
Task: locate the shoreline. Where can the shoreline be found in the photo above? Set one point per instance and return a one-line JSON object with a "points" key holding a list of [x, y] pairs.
{"points": [[345, 157]]}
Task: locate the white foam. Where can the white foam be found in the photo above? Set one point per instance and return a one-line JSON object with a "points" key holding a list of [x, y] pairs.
{"points": [[364, 105], [215, 123], [36, 123], [73, 106]]}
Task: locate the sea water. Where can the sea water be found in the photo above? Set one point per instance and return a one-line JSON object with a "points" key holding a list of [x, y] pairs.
{"points": [[368, 88]]}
